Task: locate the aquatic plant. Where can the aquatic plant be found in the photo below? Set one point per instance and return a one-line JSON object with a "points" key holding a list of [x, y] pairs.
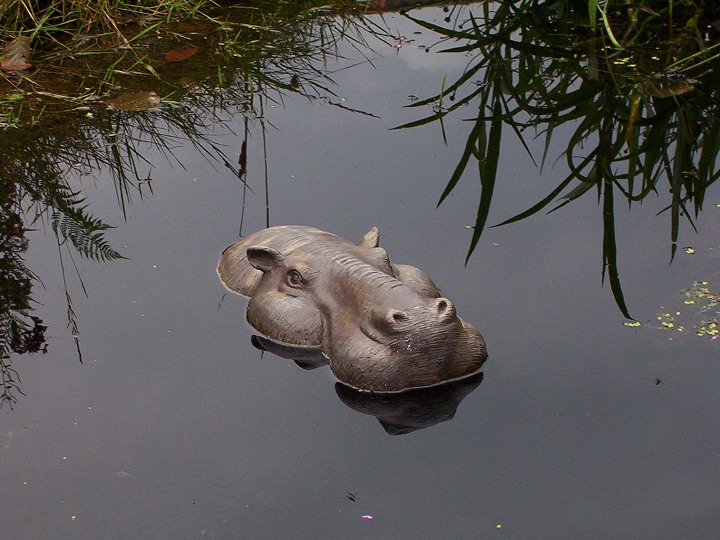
{"points": [[92, 111], [638, 83], [20, 331], [67, 54]]}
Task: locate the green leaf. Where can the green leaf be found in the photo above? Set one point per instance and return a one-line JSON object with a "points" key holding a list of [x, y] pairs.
{"points": [[460, 168], [610, 267], [592, 13], [488, 173]]}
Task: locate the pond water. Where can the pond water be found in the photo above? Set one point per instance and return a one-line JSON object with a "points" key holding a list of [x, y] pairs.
{"points": [[175, 426]]}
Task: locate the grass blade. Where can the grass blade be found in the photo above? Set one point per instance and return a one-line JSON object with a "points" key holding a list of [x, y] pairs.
{"points": [[488, 173]]}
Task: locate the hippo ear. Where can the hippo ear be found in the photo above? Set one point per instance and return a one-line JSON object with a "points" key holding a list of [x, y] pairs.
{"points": [[416, 279], [264, 258], [371, 238]]}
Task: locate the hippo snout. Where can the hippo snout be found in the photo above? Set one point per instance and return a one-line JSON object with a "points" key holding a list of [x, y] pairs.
{"points": [[430, 319], [435, 313]]}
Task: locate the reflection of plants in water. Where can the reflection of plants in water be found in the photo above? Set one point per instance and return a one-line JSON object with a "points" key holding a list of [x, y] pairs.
{"points": [[237, 68], [641, 94], [256, 45], [20, 332], [35, 190]]}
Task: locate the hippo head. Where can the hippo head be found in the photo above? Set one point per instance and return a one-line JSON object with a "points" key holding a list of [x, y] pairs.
{"points": [[282, 313], [379, 333], [382, 327]]}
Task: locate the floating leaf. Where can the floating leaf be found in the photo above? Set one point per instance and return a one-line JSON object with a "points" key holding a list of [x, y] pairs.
{"points": [[178, 55], [689, 250], [140, 100], [17, 53], [200, 27], [10, 98]]}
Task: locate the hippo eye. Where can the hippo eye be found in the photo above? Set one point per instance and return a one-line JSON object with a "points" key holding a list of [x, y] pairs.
{"points": [[294, 279]]}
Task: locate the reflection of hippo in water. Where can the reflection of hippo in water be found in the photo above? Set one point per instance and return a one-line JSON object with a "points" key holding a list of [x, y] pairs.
{"points": [[418, 408], [383, 327], [397, 412]]}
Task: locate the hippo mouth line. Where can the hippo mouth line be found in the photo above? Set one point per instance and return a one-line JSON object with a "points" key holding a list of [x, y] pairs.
{"points": [[266, 330], [302, 346], [411, 389]]}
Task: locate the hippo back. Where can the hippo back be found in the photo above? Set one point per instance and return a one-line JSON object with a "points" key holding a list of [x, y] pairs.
{"points": [[238, 275]]}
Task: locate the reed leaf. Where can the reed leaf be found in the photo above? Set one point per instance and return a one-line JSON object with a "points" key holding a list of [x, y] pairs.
{"points": [[487, 165]]}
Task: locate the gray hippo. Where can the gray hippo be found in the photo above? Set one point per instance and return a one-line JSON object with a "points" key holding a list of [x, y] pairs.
{"points": [[382, 327]]}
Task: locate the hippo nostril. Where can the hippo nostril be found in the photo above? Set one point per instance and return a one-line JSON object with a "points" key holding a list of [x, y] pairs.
{"points": [[445, 308], [394, 319]]}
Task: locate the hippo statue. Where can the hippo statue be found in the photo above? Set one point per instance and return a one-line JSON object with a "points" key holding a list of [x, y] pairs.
{"points": [[382, 327]]}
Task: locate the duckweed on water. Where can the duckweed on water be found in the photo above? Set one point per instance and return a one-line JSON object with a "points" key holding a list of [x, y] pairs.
{"points": [[700, 315]]}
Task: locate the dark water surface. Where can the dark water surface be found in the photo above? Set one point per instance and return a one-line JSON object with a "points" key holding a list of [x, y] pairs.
{"points": [[176, 427]]}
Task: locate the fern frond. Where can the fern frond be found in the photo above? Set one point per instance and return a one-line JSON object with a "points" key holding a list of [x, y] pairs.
{"points": [[86, 234]]}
